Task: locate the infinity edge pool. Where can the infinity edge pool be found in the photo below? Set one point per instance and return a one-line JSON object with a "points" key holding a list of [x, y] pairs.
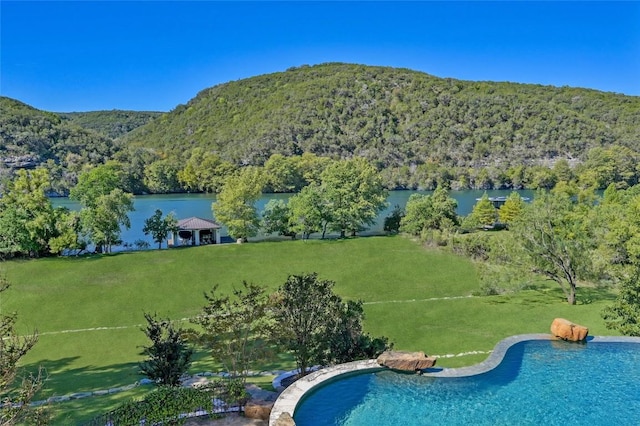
{"points": [[293, 395]]}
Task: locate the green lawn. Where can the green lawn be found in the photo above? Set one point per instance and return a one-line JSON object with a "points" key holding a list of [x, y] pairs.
{"points": [[89, 310]]}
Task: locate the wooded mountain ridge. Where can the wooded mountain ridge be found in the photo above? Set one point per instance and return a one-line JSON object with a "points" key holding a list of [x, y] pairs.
{"points": [[393, 117], [416, 127]]}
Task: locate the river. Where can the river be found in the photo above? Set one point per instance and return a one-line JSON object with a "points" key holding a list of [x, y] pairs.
{"points": [[187, 205]]}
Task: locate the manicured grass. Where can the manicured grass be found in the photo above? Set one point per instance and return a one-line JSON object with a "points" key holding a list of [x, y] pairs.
{"points": [[89, 310]]}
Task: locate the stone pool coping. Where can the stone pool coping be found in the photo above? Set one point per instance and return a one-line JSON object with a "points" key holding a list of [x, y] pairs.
{"points": [[291, 397]]}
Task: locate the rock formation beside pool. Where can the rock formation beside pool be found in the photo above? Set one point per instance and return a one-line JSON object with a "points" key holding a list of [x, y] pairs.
{"points": [[258, 409], [566, 330], [406, 361]]}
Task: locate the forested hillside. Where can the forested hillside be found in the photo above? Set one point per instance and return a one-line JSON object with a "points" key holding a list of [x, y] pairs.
{"points": [[394, 117], [29, 137], [416, 129], [114, 123]]}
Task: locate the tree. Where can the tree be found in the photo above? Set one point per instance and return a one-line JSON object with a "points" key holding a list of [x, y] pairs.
{"points": [[552, 237], [235, 204], [28, 221], [283, 174], [16, 391], [161, 177], [304, 309], [484, 213], [236, 329], [309, 211], [436, 211], [615, 221], [105, 204], [347, 341], [101, 221], [624, 314], [276, 218], [169, 357], [314, 323], [96, 182], [512, 208], [205, 171], [159, 226], [354, 193], [68, 230], [392, 222]]}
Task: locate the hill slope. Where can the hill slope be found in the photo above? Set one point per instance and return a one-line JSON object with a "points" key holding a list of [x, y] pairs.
{"points": [[393, 117], [114, 123], [29, 137]]}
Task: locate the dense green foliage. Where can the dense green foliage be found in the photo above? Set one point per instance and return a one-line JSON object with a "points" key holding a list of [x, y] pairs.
{"points": [[235, 329], [29, 137], [624, 314], [165, 405], [429, 212], [313, 322], [235, 205], [418, 130], [413, 124], [168, 356], [29, 225], [114, 123], [159, 226]]}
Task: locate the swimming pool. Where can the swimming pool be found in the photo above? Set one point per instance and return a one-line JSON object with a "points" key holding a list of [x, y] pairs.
{"points": [[537, 382]]}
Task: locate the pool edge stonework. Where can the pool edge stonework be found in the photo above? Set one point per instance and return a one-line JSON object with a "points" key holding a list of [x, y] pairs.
{"points": [[291, 397]]}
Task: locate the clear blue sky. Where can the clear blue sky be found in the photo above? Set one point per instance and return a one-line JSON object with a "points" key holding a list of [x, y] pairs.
{"points": [[82, 56]]}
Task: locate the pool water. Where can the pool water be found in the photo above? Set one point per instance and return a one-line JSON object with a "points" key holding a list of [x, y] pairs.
{"points": [[539, 382]]}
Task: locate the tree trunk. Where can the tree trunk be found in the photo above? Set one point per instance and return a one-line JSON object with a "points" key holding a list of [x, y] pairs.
{"points": [[571, 297]]}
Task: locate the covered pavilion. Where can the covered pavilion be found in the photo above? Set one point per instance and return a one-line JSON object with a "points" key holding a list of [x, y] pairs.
{"points": [[195, 231]]}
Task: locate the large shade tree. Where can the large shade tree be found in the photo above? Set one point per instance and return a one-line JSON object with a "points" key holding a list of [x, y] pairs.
{"points": [[552, 238], [28, 221], [309, 211], [429, 212], [315, 324], [354, 192], [105, 206], [235, 205]]}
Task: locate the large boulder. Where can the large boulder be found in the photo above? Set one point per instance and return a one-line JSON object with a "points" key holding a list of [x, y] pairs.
{"points": [[285, 419], [566, 330], [406, 361], [258, 409]]}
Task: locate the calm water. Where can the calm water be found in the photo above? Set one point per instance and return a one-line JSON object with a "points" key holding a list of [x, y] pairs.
{"points": [[538, 383], [186, 205]]}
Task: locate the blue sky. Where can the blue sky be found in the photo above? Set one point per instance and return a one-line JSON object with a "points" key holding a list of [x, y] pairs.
{"points": [[83, 56]]}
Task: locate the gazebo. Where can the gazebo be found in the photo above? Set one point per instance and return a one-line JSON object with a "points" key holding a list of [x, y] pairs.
{"points": [[195, 231]]}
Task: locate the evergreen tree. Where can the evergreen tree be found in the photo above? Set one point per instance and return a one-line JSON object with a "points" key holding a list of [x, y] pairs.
{"points": [[169, 357]]}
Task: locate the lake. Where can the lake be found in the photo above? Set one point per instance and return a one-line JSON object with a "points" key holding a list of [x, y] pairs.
{"points": [[186, 205]]}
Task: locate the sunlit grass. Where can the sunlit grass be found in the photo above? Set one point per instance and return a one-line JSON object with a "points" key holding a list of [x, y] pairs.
{"points": [[89, 310]]}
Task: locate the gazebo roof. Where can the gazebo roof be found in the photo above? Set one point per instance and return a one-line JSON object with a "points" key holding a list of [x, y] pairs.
{"points": [[193, 223]]}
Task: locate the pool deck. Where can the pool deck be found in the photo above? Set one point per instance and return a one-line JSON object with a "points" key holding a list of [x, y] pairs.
{"points": [[290, 397]]}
